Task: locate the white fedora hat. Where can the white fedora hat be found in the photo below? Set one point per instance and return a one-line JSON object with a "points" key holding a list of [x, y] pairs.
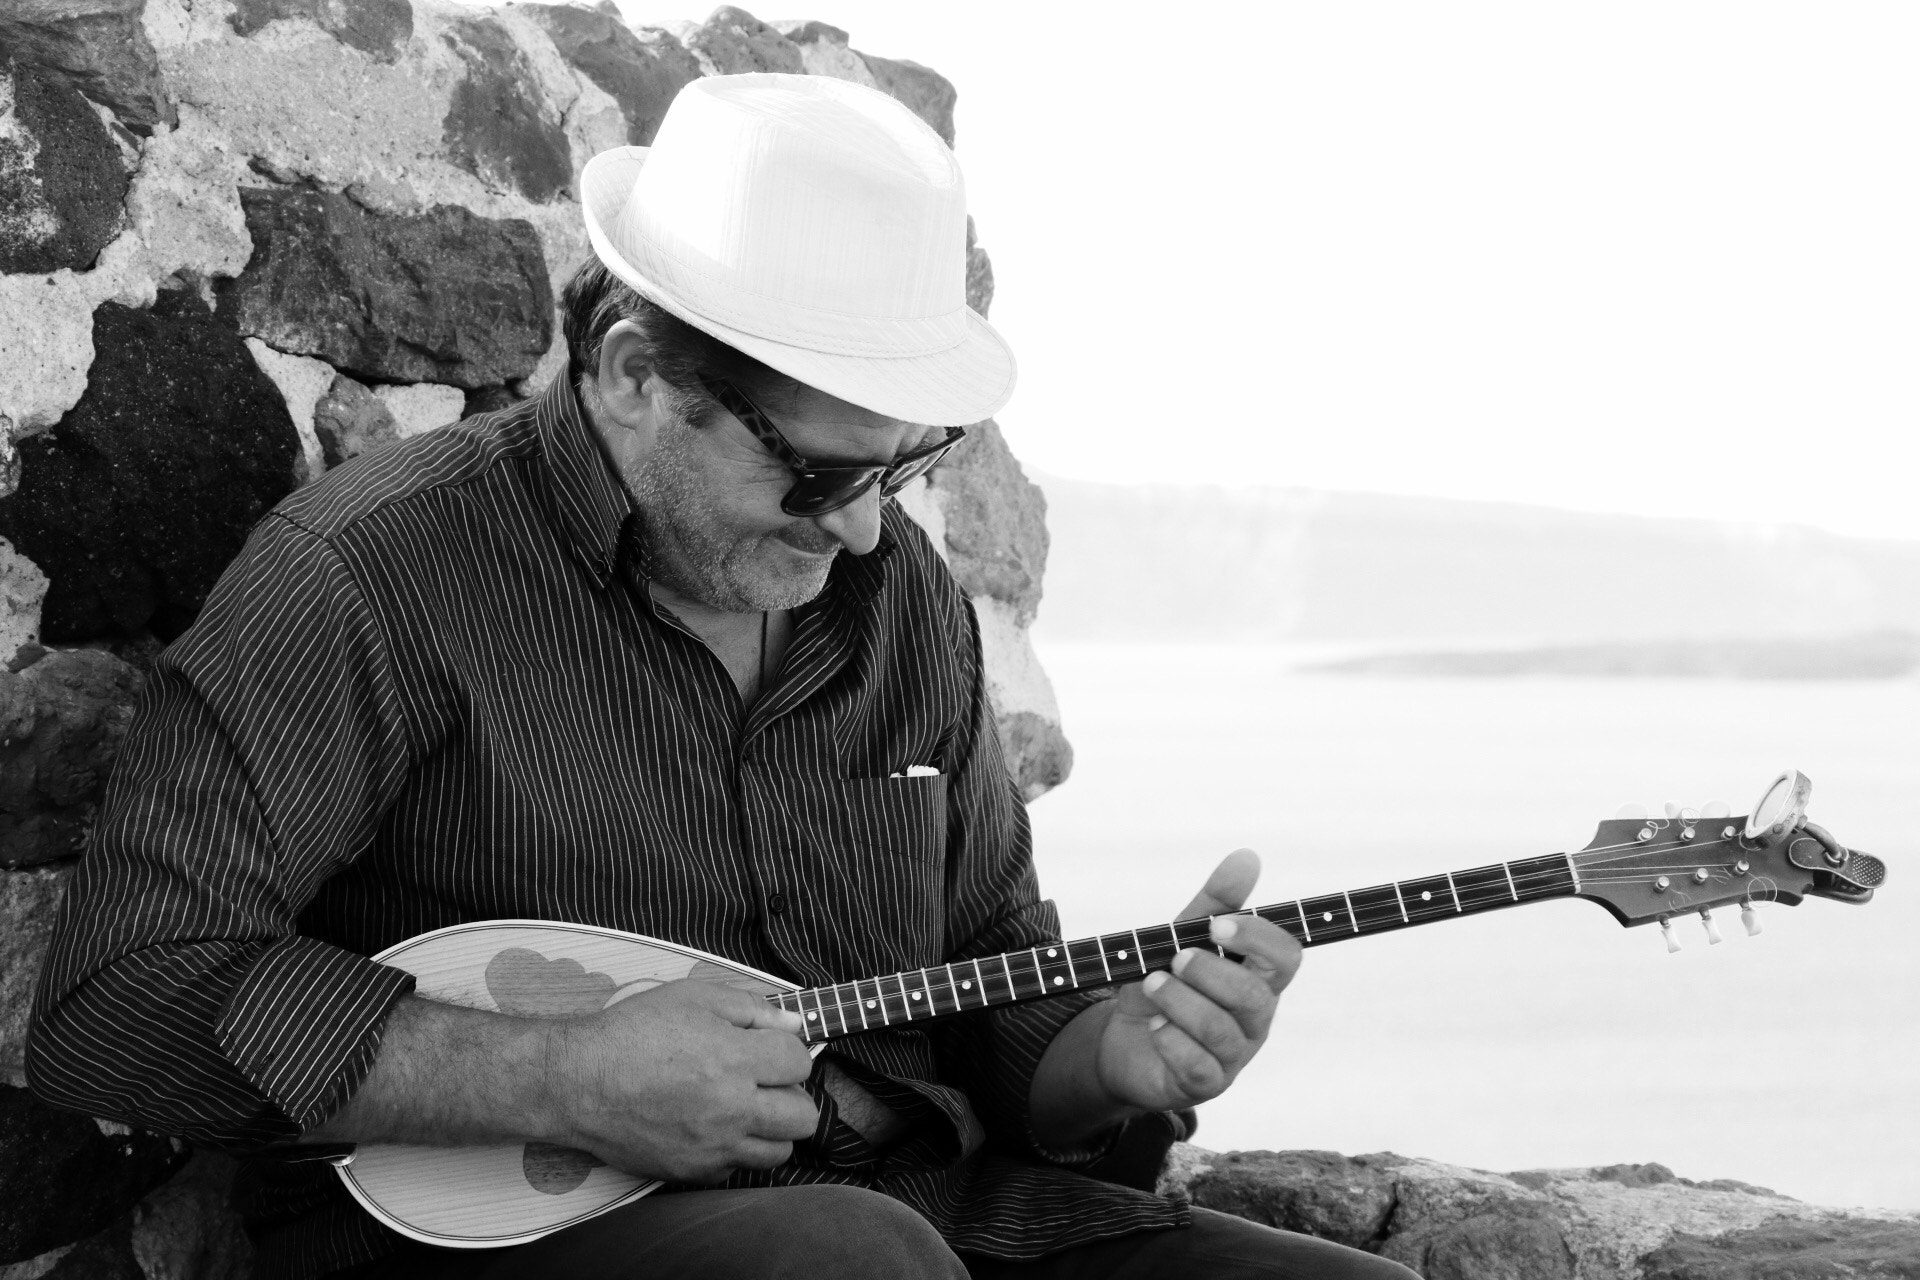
{"points": [[816, 225]]}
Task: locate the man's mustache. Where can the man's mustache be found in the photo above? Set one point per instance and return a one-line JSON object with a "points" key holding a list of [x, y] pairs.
{"points": [[809, 538]]}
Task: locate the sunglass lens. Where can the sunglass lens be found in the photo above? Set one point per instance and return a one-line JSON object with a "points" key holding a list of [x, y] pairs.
{"points": [[819, 493]]}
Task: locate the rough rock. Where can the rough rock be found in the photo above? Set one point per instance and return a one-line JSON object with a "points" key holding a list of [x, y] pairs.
{"points": [[1791, 1250], [496, 127], [996, 521], [99, 46], [824, 52], [302, 382], [134, 504], [185, 203], [377, 27], [188, 1230], [350, 420], [641, 71], [1622, 1222], [62, 719], [734, 42], [421, 407], [930, 95], [28, 901], [106, 1255], [62, 185], [979, 274], [64, 1178], [445, 296], [22, 589]]}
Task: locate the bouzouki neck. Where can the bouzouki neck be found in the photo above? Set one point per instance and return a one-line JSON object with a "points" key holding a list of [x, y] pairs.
{"points": [[1056, 969]]}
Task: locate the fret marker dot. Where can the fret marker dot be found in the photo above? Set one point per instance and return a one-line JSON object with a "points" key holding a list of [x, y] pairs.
{"points": [[967, 985], [1051, 953], [870, 1004], [1426, 895], [1327, 917], [1120, 955], [812, 1016], [916, 995], [1059, 981]]}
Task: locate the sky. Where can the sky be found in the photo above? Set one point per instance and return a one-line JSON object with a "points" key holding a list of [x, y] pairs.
{"points": [[1650, 258]]}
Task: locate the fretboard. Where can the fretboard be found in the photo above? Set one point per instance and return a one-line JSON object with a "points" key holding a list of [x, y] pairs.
{"points": [[1055, 969]]}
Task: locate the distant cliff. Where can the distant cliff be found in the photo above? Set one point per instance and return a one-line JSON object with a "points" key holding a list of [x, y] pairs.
{"points": [[1155, 563]]}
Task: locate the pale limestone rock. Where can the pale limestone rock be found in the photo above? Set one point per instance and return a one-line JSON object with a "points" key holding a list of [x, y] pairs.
{"points": [[22, 588], [1029, 718], [824, 52], [28, 903], [46, 332], [421, 407], [185, 204], [302, 381], [35, 1268]]}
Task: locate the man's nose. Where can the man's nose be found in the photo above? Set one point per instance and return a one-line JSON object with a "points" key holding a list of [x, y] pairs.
{"points": [[856, 525]]}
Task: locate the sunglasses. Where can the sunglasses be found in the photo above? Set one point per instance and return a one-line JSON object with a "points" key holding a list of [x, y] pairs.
{"points": [[818, 489]]}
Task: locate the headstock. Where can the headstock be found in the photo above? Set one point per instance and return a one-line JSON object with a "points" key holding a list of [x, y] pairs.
{"points": [[1646, 870]]}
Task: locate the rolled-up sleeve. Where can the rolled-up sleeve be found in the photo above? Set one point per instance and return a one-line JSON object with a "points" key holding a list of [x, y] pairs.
{"points": [[178, 993]]}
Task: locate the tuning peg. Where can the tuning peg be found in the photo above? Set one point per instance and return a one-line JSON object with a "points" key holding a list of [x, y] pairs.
{"points": [[1750, 918], [1673, 943], [1714, 810], [1633, 811], [1713, 930]]}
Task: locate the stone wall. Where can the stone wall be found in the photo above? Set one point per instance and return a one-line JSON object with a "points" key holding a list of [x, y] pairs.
{"points": [[240, 242]]}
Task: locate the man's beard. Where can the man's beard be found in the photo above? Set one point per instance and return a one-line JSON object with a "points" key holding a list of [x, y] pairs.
{"points": [[695, 555]]}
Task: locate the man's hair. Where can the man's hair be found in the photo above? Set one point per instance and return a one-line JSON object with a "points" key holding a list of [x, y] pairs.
{"points": [[595, 300]]}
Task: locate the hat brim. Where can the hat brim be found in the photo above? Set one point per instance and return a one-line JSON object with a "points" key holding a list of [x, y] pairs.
{"points": [[961, 385]]}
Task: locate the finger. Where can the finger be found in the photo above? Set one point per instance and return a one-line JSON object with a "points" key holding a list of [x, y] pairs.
{"points": [[786, 1114], [758, 1153], [1240, 993], [1227, 887], [775, 1058], [1215, 1029], [1198, 1073], [755, 1012], [1267, 950]]}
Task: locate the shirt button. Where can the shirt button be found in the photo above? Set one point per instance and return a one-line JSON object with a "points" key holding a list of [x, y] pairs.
{"points": [[776, 903]]}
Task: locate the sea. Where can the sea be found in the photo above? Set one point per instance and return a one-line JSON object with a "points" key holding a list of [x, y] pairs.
{"points": [[1540, 1037]]}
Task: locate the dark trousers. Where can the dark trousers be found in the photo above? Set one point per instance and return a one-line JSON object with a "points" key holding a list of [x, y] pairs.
{"points": [[847, 1233]]}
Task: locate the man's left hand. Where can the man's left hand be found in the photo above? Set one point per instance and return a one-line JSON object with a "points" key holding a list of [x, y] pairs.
{"points": [[1176, 1039]]}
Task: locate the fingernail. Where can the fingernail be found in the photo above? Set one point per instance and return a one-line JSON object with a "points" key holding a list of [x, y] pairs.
{"points": [[1158, 978], [1156, 1022], [1223, 928], [1185, 958]]}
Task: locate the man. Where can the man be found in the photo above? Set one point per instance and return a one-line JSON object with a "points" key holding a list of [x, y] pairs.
{"points": [[650, 652]]}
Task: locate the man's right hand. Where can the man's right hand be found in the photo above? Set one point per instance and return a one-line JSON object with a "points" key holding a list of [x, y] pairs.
{"points": [[688, 1081]]}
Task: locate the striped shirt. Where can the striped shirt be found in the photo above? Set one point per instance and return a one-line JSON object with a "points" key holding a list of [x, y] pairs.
{"points": [[433, 689]]}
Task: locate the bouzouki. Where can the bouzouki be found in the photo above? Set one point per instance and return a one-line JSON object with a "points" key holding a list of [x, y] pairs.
{"points": [[1642, 869]]}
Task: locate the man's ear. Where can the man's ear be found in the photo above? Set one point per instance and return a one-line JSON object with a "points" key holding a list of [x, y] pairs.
{"points": [[621, 382]]}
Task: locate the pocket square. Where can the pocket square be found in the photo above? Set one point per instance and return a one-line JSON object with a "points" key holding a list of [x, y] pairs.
{"points": [[917, 771]]}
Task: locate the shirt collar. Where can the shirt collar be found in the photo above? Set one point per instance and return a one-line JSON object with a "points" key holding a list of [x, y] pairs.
{"points": [[592, 503]]}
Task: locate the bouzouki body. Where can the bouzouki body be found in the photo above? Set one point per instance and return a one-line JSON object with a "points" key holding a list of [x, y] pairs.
{"points": [[477, 1197], [1643, 870]]}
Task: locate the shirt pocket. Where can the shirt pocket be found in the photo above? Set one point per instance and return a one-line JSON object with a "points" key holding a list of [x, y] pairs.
{"points": [[903, 817]]}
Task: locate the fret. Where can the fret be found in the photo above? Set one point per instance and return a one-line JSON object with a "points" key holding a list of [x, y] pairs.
{"points": [[920, 997], [860, 1005], [1006, 967], [1510, 889], [906, 1005], [1139, 952], [1104, 967], [1306, 931], [1549, 877], [1455, 892], [1081, 954], [955, 986], [817, 1019], [981, 980], [1350, 916], [1376, 908], [1399, 898], [1023, 974], [840, 1009], [1573, 872], [1482, 887]]}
